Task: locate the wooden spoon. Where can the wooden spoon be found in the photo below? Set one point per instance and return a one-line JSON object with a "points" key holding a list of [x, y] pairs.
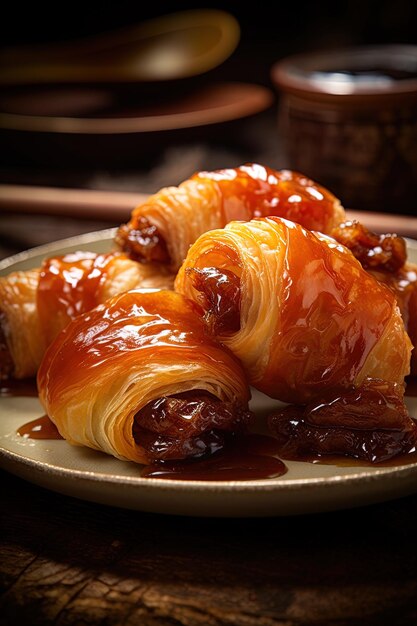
{"points": [[174, 46]]}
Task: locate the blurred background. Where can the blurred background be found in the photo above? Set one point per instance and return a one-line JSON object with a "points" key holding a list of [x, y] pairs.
{"points": [[121, 134]]}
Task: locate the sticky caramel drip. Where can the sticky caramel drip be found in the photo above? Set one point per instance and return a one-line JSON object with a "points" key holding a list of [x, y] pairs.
{"points": [[39, 428], [247, 457]]}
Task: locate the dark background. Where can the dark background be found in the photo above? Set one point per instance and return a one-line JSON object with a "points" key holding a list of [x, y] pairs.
{"points": [[269, 32]]}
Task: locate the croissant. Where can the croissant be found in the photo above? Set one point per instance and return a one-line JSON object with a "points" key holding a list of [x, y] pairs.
{"points": [[139, 378], [36, 304], [296, 308], [163, 228]]}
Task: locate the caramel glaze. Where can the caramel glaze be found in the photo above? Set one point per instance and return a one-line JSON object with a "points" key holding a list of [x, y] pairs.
{"points": [[370, 423], [254, 190], [40, 428], [246, 192], [403, 284], [69, 286]]}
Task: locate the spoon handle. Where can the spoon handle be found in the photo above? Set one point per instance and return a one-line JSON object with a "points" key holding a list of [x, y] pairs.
{"points": [[117, 206], [78, 203]]}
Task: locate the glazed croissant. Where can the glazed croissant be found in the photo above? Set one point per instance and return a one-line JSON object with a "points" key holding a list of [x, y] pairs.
{"points": [[296, 308], [163, 228], [36, 304], [139, 378]]}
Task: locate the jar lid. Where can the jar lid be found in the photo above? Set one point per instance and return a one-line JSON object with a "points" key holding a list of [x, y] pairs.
{"points": [[350, 73]]}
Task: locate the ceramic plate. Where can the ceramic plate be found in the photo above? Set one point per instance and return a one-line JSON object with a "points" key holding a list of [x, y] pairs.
{"points": [[94, 476]]}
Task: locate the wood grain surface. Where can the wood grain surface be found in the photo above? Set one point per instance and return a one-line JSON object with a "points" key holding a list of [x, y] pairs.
{"points": [[64, 561]]}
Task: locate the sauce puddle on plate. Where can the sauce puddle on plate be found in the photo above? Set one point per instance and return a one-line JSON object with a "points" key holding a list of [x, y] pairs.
{"points": [[246, 457], [249, 457], [39, 428]]}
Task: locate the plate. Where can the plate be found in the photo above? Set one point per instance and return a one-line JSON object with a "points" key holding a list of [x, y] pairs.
{"points": [[101, 125], [103, 111], [94, 476]]}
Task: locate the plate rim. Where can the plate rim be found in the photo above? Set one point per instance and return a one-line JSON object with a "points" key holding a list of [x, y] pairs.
{"points": [[53, 246], [270, 484]]}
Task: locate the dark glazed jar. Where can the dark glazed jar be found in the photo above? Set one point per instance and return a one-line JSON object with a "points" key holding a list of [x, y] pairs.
{"points": [[348, 119]]}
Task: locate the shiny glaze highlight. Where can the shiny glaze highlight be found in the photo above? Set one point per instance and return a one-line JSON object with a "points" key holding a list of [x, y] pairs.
{"points": [[254, 190], [69, 286]]}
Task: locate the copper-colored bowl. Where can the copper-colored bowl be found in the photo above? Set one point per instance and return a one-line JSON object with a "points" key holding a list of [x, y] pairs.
{"points": [[348, 118]]}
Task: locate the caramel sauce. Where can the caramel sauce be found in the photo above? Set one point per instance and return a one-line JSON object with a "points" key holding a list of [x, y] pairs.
{"points": [[40, 428], [250, 457], [69, 286], [253, 456], [11, 387], [254, 190]]}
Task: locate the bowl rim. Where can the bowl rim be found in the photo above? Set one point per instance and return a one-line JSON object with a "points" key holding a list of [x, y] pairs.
{"points": [[298, 73], [248, 99]]}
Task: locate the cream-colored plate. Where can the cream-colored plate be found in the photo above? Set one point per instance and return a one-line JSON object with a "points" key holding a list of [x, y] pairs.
{"points": [[94, 476]]}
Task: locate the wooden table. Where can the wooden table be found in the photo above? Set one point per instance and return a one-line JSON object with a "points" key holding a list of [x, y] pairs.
{"points": [[65, 561]]}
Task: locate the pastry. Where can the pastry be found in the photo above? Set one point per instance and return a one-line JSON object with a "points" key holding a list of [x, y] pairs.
{"points": [[139, 378], [36, 304], [162, 229], [296, 308]]}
